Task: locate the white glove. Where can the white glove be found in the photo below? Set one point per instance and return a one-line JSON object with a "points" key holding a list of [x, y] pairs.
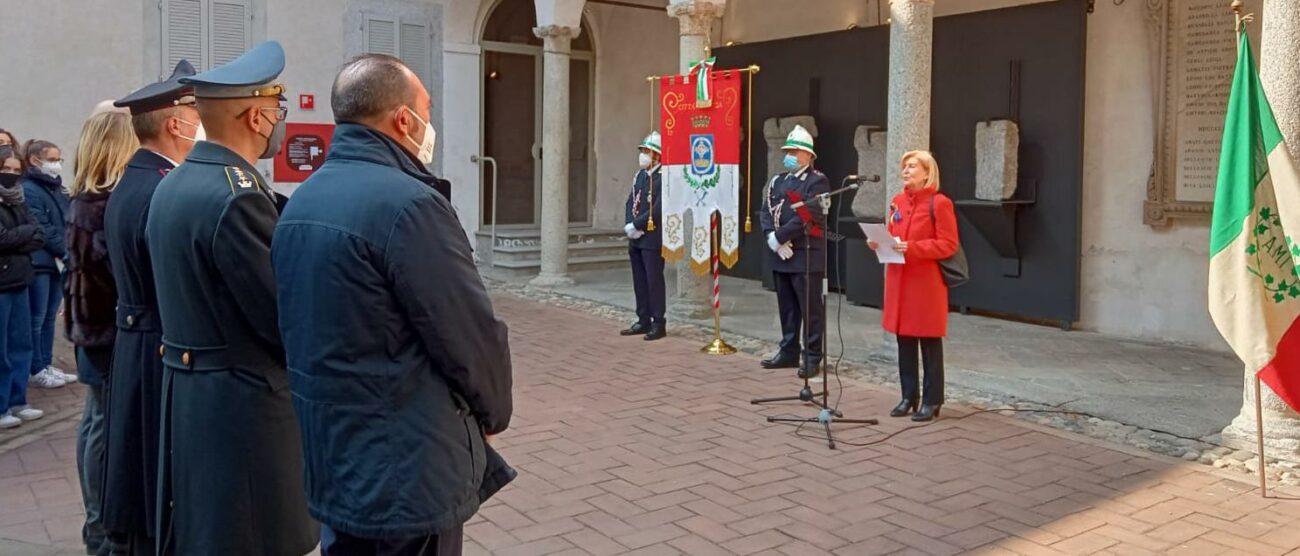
{"points": [[630, 230], [58, 263], [637, 234], [785, 251], [771, 241]]}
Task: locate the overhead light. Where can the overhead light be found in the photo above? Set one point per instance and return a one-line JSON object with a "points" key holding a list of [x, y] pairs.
{"points": [[493, 75]]}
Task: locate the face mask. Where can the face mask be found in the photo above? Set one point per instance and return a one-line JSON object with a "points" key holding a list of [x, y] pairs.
{"points": [[425, 147], [791, 162], [644, 160], [199, 133], [52, 169], [9, 180], [274, 141]]}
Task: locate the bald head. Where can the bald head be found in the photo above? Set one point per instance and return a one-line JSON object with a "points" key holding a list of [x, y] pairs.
{"points": [[370, 87]]}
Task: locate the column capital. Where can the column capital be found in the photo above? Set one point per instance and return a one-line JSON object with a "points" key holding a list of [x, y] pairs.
{"points": [[696, 16], [556, 38]]}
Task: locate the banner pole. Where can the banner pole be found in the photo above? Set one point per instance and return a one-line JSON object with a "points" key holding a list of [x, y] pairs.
{"points": [[718, 346], [749, 156], [1259, 430]]}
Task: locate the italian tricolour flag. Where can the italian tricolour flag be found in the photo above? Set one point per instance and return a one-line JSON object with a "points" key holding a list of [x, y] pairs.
{"points": [[1255, 238]]}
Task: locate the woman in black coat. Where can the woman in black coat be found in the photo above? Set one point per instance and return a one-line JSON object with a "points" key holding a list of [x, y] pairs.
{"points": [[19, 236], [90, 311]]}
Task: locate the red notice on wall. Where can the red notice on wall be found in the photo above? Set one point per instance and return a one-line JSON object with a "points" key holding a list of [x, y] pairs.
{"points": [[304, 150]]}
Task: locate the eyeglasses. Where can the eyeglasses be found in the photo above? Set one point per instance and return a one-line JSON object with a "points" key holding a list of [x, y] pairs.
{"points": [[280, 111]]}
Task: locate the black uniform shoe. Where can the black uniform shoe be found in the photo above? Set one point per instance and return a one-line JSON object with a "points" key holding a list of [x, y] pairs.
{"points": [[656, 331], [903, 408], [927, 413], [780, 361], [638, 328], [809, 370]]}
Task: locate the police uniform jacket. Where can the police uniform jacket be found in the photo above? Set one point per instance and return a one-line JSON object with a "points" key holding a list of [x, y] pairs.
{"points": [[234, 470], [646, 187], [135, 388], [397, 364], [804, 228]]}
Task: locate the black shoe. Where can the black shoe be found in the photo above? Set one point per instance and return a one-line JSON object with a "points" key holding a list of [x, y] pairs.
{"points": [[656, 331], [927, 413], [903, 408], [809, 370], [635, 329], [780, 361]]}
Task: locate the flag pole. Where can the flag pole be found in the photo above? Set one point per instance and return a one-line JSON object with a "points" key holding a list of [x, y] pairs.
{"points": [[749, 145], [718, 346], [1259, 430]]}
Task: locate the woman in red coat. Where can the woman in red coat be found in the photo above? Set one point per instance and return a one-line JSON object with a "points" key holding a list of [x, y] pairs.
{"points": [[916, 299]]}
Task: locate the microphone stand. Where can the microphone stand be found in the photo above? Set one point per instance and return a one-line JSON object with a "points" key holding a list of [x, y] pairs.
{"points": [[828, 414]]}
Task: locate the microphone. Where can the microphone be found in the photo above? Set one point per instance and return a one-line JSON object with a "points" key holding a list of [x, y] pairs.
{"points": [[861, 179]]}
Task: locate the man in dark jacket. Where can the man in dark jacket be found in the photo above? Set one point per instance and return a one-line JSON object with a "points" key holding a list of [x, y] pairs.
{"points": [[233, 455], [645, 242], [167, 124], [397, 364], [796, 240]]}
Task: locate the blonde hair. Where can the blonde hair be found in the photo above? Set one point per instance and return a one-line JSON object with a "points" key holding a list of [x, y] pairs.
{"points": [[107, 144], [926, 158]]}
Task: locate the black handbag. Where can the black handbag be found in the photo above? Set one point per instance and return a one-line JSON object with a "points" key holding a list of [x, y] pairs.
{"points": [[955, 270]]}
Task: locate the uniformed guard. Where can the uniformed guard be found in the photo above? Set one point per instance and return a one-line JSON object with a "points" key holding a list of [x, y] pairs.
{"points": [[167, 125], [796, 239], [642, 214], [233, 465]]}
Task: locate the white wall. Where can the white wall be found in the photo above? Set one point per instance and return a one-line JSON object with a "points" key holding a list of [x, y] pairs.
{"points": [[1137, 281], [313, 51], [623, 96], [62, 58]]}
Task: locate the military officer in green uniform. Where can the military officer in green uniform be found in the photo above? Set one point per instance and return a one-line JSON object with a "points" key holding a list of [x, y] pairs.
{"points": [[232, 469]]}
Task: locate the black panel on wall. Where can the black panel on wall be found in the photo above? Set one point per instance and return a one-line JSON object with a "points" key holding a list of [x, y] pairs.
{"points": [[839, 79], [973, 54]]}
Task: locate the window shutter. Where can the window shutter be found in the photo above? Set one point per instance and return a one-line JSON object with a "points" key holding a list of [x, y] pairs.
{"points": [[415, 49], [381, 36], [182, 34], [227, 31]]}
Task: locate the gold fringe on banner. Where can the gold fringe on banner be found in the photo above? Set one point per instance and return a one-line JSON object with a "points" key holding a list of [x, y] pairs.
{"points": [[729, 259], [703, 268], [673, 255]]}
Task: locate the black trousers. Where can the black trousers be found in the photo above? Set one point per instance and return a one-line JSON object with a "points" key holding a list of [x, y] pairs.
{"points": [[648, 283], [447, 543], [931, 350], [799, 296]]}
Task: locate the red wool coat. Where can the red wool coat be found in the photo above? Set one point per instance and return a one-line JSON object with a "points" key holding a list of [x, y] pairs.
{"points": [[916, 299]]}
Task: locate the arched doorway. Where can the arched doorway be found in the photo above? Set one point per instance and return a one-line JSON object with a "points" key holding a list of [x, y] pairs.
{"points": [[512, 124]]}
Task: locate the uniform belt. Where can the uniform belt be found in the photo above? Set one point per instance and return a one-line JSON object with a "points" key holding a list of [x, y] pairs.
{"points": [[195, 359], [138, 318]]}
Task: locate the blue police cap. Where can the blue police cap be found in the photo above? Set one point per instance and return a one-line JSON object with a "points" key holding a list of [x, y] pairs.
{"points": [[253, 74], [163, 94]]}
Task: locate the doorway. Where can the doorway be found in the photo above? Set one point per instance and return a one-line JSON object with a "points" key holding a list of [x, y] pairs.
{"points": [[512, 123]]}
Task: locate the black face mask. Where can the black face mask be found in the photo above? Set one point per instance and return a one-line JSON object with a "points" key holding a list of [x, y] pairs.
{"points": [[9, 180]]}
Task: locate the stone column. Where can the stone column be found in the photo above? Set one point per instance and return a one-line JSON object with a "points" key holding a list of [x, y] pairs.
{"points": [[696, 17], [555, 155], [1281, 78], [911, 43]]}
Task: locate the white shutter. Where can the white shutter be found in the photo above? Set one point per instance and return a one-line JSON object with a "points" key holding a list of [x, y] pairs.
{"points": [[415, 49], [227, 31], [381, 36], [182, 34]]}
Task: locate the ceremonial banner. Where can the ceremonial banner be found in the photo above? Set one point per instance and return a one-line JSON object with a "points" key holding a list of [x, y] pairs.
{"points": [[700, 126], [1255, 238]]}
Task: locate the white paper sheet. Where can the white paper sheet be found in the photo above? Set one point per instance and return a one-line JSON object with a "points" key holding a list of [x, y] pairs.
{"points": [[885, 251]]}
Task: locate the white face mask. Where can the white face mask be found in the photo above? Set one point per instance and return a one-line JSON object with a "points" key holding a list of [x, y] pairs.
{"points": [[425, 147], [52, 169], [199, 133], [644, 160]]}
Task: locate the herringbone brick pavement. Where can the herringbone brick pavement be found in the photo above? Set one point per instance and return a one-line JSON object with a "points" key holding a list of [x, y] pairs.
{"points": [[633, 447]]}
